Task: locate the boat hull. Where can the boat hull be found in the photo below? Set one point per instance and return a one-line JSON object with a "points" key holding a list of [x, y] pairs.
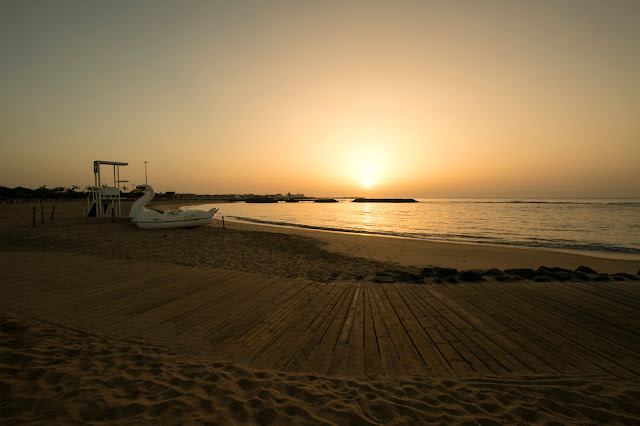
{"points": [[184, 223]]}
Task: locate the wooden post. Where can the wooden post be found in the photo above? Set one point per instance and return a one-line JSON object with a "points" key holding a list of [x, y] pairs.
{"points": [[223, 223], [42, 213], [113, 213], [52, 211], [34, 216]]}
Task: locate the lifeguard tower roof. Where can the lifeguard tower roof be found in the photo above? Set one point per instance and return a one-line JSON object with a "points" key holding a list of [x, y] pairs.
{"points": [[97, 164]]}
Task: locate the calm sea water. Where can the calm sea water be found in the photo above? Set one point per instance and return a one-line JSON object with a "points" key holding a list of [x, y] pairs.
{"points": [[594, 225]]}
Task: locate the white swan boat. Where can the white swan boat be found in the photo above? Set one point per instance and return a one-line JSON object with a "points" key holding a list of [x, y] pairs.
{"points": [[154, 219]]}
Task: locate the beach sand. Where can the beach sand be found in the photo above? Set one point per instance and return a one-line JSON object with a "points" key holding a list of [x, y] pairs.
{"points": [[103, 322]]}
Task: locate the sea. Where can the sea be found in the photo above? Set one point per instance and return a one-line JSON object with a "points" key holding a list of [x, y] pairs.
{"points": [[602, 226]]}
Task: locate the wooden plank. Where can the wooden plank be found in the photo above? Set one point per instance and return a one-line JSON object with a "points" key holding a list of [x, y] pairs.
{"points": [[586, 332], [410, 316], [354, 364], [389, 355], [255, 309], [222, 299], [338, 362], [562, 333], [175, 290], [543, 331], [624, 290], [621, 315], [320, 357], [52, 278], [575, 312], [372, 356], [279, 347], [139, 295], [113, 285], [247, 343], [527, 332], [477, 358], [611, 292], [269, 334], [430, 312], [407, 353], [293, 345], [495, 340], [315, 326]]}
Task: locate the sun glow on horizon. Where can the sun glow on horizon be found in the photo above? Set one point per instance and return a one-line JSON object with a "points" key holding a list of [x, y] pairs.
{"points": [[367, 154]]}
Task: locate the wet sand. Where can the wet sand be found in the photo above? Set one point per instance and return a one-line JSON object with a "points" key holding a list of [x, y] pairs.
{"points": [[420, 253], [160, 337]]}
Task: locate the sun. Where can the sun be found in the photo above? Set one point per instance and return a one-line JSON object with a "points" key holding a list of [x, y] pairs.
{"points": [[367, 169], [367, 157]]}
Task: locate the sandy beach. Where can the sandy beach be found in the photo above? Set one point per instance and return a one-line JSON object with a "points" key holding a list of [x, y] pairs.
{"points": [[255, 324]]}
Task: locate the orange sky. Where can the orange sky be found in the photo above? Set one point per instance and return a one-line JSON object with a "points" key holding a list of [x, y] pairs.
{"points": [[412, 98]]}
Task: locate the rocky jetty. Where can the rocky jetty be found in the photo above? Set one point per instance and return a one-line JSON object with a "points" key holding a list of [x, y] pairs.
{"points": [[434, 274], [261, 200]]}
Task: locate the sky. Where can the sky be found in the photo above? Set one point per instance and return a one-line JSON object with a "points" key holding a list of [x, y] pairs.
{"points": [[465, 98]]}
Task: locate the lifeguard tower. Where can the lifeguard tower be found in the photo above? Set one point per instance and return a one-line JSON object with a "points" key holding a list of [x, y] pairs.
{"points": [[104, 201]]}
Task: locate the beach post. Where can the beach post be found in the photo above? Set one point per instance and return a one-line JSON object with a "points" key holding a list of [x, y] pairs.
{"points": [[223, 223], [53, 210], [34, 216], [42, 213]]}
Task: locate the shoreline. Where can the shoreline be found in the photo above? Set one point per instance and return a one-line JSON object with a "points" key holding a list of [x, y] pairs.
{"points": [[409, 252], [413, 252], [587, 253]]}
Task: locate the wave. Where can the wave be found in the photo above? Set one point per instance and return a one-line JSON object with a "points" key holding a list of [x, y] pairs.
{"points": [[466, 238]]}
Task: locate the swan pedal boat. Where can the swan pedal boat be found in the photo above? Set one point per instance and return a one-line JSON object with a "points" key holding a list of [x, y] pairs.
{"points": [[144, 218]]}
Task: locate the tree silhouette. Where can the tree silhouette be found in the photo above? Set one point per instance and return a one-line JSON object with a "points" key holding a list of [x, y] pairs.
{"points": [[42, 191]]}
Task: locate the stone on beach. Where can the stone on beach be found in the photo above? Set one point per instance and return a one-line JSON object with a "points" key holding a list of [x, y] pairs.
{"points": [[439, 272], [470, 276], [391, 276], [495, 272], [585, 270], [521, 272], [625, 275]]}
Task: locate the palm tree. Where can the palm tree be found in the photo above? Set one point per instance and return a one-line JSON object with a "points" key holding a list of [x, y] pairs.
{"points": [[71, 192], [42, 191]]}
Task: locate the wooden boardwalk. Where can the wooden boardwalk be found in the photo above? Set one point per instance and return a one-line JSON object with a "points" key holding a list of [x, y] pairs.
{"points": [[343, 328]]}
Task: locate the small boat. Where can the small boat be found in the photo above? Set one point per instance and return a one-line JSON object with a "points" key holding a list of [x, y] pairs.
{"points": [[144, 218]]}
